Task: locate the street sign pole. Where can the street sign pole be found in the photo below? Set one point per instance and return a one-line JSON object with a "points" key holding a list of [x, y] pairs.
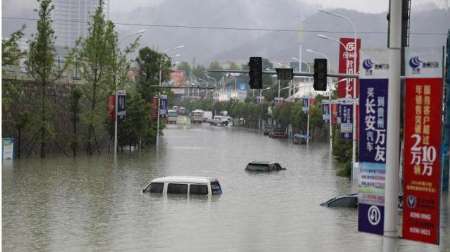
{"points": [[390, 238]]}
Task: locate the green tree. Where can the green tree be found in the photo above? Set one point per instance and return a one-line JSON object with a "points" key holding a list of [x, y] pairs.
{"points": [[215, 65], [186, 67], [199, 72], [42, 69], [150, 62], [11, 53], [97, 55], [16, 116]]}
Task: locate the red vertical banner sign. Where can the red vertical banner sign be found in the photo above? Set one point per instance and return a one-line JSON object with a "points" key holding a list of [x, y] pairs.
{"points": [[154, 112], [422, 171], [348, 63], [111, 107]]}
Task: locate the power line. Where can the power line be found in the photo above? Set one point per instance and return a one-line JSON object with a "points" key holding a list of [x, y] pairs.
{"points": [[232, 28]]}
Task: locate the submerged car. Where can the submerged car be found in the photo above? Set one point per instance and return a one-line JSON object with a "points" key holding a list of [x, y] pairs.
{"points": [[184, 185], [263, 166]]}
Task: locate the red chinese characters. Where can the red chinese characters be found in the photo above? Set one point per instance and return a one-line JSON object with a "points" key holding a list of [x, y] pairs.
{"points": [[421, 159], [348, 64]]}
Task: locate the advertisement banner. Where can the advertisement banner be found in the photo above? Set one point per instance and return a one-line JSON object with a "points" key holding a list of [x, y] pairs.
{"points": [[346, 119], [121, 112], [374, 64], [178, 79], [7, 148], [423, 62], [111, 106], [422, 173], [154, 112], [348, 63], [305, 107], [325, 110], [163, 106], [372, 154]]}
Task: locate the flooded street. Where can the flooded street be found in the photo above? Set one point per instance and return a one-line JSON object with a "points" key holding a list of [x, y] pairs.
{"points": [[88, 204]]}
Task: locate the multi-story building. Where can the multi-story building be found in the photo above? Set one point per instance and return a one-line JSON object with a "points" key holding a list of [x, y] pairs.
{"points": [[70, 20]]}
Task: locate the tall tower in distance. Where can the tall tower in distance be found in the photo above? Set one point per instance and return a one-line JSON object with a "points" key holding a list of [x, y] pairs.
{"points": [[70, 20]]}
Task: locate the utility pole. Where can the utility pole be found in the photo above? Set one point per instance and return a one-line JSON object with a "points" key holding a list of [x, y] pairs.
{"points": [[390, 238]]}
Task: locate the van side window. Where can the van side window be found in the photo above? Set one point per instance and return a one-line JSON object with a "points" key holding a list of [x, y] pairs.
{"points": [[177, 188], [156, 187], [198, 189], [215, 187]]}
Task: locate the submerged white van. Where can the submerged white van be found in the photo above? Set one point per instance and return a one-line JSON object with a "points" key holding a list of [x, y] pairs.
{"points": [[184, 185]]}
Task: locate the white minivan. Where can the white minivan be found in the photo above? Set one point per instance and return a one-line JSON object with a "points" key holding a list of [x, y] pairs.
{"points": [[184, 185]]}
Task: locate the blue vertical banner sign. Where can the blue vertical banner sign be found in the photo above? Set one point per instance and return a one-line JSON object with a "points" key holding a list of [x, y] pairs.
{"points": [[326, 110], [346, 118], [163, 106], [372, 140], [121, 101], [372, 154], [446, 141], [305, 104]]}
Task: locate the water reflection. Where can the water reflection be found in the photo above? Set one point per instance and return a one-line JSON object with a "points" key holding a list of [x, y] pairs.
{"points": [[85, 204]]}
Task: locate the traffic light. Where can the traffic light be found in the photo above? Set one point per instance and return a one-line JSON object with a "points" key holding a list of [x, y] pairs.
{"points": [[320, 74], [255, 73]]}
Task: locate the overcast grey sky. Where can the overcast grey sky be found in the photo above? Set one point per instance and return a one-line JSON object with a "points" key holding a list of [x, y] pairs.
{"points": [[372, 6]]}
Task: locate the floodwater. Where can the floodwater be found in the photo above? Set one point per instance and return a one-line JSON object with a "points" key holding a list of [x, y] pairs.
{"points": [[89, 204]]}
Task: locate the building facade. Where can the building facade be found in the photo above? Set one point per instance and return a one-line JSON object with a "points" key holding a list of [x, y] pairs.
{"points": [[70, 20]]}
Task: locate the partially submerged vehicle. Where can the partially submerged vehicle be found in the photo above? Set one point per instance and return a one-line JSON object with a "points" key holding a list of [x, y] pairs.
{"points": [[347, 200], [263, 166], [278, 133], [184, 185], [299, 139]]}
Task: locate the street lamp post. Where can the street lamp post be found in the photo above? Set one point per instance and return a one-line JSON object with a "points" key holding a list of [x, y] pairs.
{"points": [[329, 93], [352, 24], [159, 90], [354, 99], [139, 32]]}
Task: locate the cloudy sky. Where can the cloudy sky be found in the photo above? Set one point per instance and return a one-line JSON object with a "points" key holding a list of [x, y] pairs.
{"points": [[372, 6]]}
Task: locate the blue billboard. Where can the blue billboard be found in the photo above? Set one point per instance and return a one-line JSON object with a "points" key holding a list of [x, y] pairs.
{"points": [[372, 154]]}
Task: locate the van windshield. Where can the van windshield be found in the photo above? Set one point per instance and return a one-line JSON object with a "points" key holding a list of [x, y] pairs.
{"points": [[215, 187], [155, 188]]}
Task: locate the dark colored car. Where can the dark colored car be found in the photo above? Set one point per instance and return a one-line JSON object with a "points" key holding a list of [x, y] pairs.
{"points": [[263, 166], [267, 130], [278, 133]]}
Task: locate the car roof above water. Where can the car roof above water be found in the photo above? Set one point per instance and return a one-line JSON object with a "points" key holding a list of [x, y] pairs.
{"points": [[184, 179], [261, 162]]}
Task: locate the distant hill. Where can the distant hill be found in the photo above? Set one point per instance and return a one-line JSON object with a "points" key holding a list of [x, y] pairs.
{"points": [[281, 47]]}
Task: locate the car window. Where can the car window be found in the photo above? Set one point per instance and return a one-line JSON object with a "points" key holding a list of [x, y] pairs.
{"points": [[177, 188], [259, 167], [198, 189], [155, 188], [215, 187]]}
